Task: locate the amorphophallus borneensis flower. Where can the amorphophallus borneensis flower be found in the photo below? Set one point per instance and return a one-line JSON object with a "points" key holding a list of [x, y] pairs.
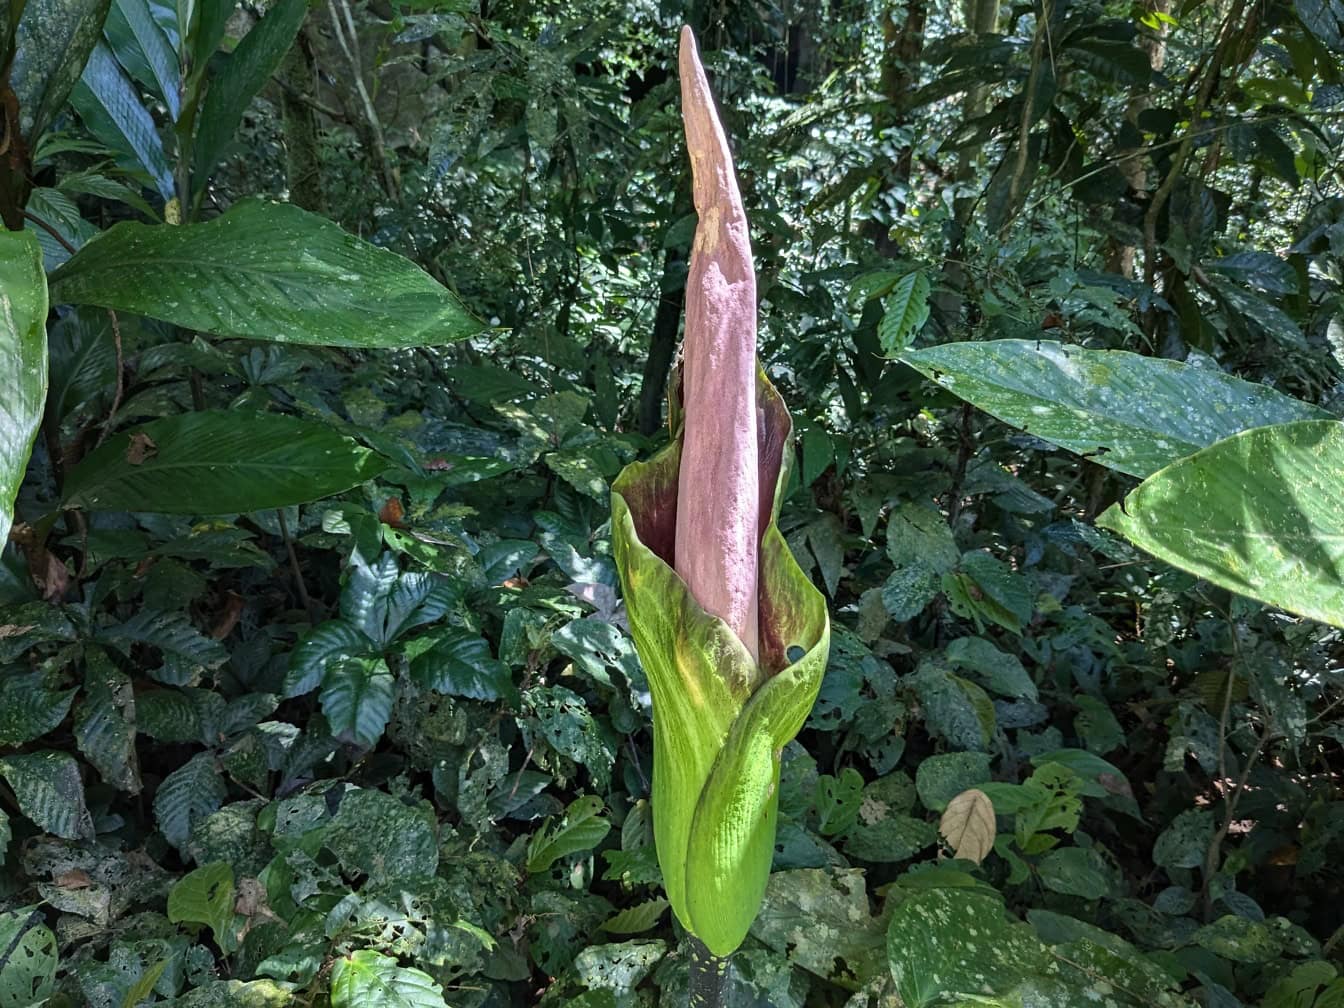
{"points": [[732, 634]]}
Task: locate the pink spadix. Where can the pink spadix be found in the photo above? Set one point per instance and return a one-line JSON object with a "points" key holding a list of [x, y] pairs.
{"points": [[718, 493]]}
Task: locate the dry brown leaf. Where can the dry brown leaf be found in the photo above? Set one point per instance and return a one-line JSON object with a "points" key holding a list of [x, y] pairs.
{"points": [[968, 825]]}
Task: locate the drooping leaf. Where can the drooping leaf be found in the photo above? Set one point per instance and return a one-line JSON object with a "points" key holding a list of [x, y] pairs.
{"points": [[23, 361], [53, 41], [233, 86], [1075, 871], [1130, 413], [49, 791], [269, 271], [367, 979], [110, 108], [219, 462], [1260, 513], [170, 632]]}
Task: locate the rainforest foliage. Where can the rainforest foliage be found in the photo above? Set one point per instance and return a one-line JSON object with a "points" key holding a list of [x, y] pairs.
{"points": [[325, 328]]}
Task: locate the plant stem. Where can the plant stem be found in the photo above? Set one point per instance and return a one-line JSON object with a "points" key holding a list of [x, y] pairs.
{"points": [[709, 977]]}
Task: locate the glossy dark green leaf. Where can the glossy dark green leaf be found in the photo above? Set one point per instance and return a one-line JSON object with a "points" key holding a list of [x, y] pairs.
{"points": [[233, 86], [459, 663], [1126, 412], [110, 108], [23, 361], [53, 41], [269, 271], [219, 463], [143, 48], [328, 642], [1261, 514], [357, 695]]}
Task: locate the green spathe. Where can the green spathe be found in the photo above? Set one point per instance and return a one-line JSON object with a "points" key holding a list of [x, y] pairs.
{"points": [[720, 718]]}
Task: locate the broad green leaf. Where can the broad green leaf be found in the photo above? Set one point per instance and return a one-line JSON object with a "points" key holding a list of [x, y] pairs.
{"points": [[366, 979], [356, 697], [109, 105], [378, 835], [28, 710], [999, 672], [23, 361], [943, 777], [188, 795], [269, 271], [1185, 842], [458, 663], [53, 41], [1260, 513], [955, 945], [906, 309], [28, 969], [822, 920], [1126, 412], [983, 587], [233, 86], [619, 967], [142, 47], [219, 462], [205, 896], [581, 829], [49, 791], [1075, 871], [328, 642]]}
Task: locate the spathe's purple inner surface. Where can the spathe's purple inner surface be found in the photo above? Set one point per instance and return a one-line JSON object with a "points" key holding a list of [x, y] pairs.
{"points": [[718, 516]]}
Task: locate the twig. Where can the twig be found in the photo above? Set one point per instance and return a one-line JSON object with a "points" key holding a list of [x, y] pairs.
{"points": [[294, 567], [119, 388], [51, 230]]}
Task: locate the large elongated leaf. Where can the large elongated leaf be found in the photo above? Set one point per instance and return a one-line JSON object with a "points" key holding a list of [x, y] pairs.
{"points": [[111, 109], [53, 42], [1261, 513], [23, 361], [234, 86], [269, 271], [1129, 413], [219, 463], [143, 48]]}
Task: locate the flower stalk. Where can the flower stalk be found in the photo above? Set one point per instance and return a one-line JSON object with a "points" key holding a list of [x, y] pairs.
{"points": [[732, 634]]}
